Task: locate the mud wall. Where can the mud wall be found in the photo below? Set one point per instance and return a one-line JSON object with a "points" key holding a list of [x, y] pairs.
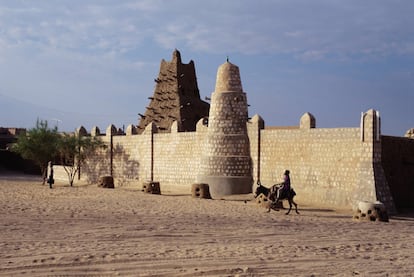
{"points": [[330, 167]]}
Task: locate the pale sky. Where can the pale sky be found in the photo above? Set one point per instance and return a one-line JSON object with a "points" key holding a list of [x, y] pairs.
{"points": [[93, 62]]}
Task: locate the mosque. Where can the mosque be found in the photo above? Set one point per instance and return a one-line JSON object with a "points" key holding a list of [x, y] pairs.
{"points": [[181, 140]]}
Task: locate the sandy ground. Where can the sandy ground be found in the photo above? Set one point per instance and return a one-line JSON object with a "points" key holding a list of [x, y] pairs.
{"points": [[91, 231]]}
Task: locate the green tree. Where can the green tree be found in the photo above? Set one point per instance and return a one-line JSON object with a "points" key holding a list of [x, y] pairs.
{"points": [[73, 150], [39, 144]]}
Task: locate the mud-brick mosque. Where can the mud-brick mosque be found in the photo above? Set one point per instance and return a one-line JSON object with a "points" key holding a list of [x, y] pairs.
{"points": [[181, 140]]}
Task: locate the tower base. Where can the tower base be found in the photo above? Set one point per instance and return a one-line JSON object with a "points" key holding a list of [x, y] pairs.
{"points": [[221, 186]]}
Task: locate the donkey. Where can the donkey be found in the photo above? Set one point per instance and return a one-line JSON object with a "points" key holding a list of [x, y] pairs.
{"points": [[271, 194]]}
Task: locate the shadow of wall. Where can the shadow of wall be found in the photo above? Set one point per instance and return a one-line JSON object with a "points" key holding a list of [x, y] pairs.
{"points": [[125, 168], [398, 165]]}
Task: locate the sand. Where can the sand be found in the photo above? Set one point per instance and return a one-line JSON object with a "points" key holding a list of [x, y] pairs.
{"points": [[91, 231]]}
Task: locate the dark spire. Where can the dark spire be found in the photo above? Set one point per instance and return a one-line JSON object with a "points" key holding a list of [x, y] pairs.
{"points": [[176, 57]]}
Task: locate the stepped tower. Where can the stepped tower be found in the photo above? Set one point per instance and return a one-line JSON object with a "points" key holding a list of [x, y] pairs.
{"points": [[226, 164], [176, 98]]}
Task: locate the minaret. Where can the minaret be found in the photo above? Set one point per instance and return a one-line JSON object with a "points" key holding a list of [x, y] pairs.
{"points": [[176, 98], [226, 163]]}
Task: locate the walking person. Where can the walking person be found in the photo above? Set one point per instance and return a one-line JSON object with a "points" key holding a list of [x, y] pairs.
{"points": [[50, 179]]}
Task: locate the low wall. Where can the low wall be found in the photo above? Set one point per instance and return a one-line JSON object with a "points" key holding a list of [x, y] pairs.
{"points": [[330, 167], [170, 158], [126, 157], [324, 163], [177, 160]]}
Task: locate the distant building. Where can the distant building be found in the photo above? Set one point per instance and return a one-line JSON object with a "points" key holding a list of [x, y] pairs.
{"points": [[10, 160], [8, 136]]}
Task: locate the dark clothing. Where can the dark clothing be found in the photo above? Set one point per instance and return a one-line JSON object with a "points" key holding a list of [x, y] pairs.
{"points": [[286, 183], [50, 179], [284, 188]]}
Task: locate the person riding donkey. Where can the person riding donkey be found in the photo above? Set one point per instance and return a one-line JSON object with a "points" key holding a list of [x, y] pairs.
{"points": [[284, 187], [278, 192]]}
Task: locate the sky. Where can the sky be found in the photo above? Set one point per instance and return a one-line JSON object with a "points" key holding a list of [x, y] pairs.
{"points": [[93, 62]]}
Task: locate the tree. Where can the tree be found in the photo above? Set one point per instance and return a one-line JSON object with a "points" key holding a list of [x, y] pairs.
{"points": [[73, 150], [39, 144]]}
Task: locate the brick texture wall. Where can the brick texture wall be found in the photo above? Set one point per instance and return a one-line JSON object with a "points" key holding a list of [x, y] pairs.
{"points": [[330, 167]]}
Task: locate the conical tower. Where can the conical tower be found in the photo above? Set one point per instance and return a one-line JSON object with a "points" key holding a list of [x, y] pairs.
{"points": [[176, 98], [226, 164]]}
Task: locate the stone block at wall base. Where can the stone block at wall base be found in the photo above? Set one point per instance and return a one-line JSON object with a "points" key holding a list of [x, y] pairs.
{"points": [[200, 191], [106, 182], [151, 187], [368, 211]]}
